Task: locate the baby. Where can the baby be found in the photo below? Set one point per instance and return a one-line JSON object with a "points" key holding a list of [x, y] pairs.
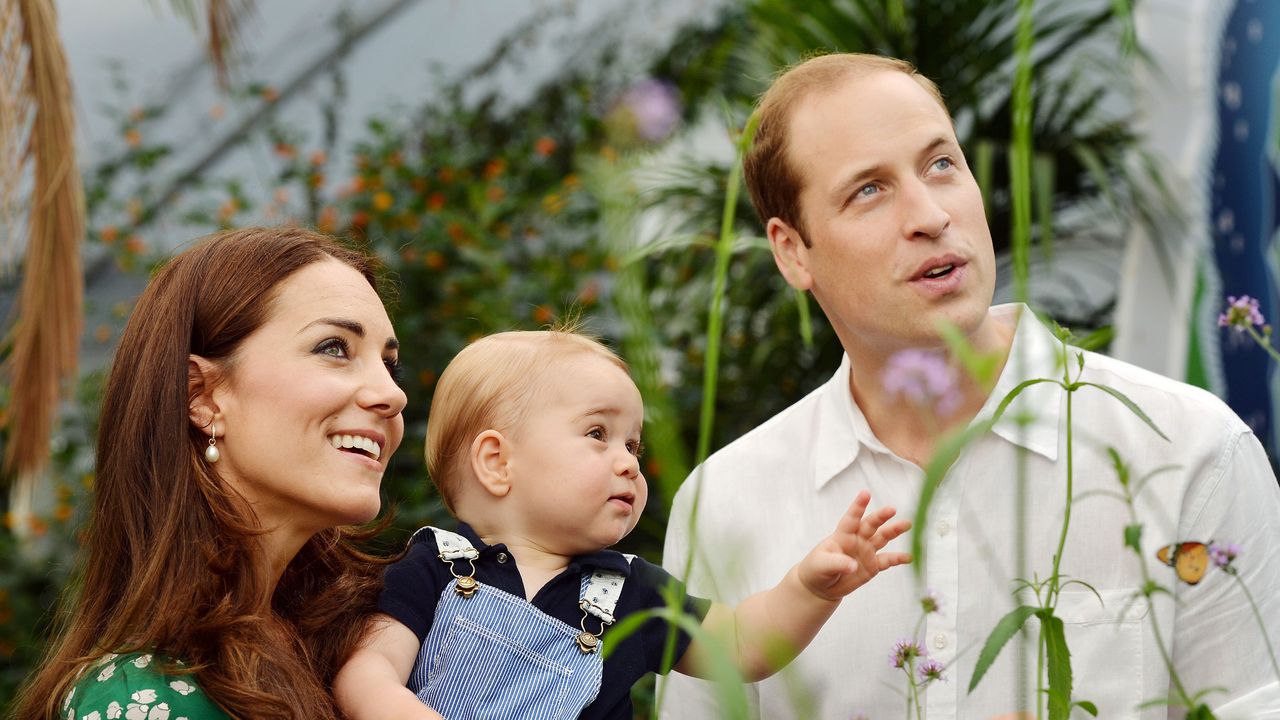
{"points": [[534, 443]]}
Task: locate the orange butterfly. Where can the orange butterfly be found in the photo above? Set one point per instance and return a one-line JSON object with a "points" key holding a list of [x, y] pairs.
{"points": [[1189, 559]]}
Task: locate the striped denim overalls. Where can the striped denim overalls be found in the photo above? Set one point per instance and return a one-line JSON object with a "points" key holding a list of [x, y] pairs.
{"points": [[492, 655]]}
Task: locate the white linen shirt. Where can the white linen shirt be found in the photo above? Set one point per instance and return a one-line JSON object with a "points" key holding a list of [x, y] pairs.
{"points": [[769, 497]]}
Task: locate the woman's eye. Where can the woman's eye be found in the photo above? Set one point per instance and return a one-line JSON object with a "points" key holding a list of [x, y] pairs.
{"points": [[394, 368], [333, 347], [596, 433]]}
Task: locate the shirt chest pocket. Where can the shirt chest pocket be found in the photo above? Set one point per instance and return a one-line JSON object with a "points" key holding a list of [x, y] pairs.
{"points": [[1106, 643]]}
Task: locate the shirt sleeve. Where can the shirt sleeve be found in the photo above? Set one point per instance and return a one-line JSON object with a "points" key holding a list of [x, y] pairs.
{"points": [[659, 583], [412, 586], [131, 688], [1217, 641]]}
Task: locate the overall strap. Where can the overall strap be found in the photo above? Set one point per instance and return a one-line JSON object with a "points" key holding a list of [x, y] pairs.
{"points": [[599, 598], [453, 546]]}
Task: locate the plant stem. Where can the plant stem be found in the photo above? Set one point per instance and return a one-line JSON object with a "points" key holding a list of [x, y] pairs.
{"points": [[1151, 607], [1263, 343], [1040, 693], [1052, 599], [1271, 653], [724, 251]]}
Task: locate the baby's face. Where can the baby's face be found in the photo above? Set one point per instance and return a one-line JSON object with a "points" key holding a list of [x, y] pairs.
{"points": [[575, 457]]}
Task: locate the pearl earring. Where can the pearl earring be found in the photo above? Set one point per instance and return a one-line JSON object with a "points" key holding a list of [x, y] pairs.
{"points": [[211, 453]]}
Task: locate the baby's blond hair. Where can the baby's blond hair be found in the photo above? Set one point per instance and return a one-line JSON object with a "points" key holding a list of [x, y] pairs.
{"points": [[491, 385]]}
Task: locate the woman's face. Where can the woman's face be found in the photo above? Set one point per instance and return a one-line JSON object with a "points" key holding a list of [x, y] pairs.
{"points": [[309, 413]]}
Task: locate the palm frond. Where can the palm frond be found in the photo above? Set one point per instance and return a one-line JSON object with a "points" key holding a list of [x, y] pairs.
{"points": [[223, 20], [46, 334], [15, 121]]}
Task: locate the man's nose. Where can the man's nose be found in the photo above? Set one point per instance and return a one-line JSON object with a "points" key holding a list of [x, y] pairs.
{"points": [[923, 216]]}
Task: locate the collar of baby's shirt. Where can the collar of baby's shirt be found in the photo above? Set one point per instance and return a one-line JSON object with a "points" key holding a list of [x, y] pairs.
{"points": [[1032, 420], [604, 559]]}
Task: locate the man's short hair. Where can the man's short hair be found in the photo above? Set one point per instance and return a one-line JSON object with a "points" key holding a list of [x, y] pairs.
{"points": [[771, 179]]}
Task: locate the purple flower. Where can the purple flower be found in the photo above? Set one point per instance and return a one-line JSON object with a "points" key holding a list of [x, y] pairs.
{"points": [[930, 670], [649, 111], [924, 378], [1241, 313], [931, 602], [1223, 553], [904, 651]]}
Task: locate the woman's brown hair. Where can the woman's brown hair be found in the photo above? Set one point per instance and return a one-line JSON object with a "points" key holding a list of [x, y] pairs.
{"points": [[169, 563]]}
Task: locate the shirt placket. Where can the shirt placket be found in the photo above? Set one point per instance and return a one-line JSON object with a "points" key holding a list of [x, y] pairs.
{"points": [[942, 577]]}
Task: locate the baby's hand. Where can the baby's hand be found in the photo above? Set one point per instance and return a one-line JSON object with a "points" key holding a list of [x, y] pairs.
{"points": [[850, 556]]}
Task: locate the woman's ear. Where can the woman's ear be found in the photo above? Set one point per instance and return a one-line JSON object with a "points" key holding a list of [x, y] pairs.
{"points": [[202, 376], [490, 462]]}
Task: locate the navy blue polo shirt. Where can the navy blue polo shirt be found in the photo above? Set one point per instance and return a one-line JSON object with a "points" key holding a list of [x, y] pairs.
{"points": [[414, 584]]}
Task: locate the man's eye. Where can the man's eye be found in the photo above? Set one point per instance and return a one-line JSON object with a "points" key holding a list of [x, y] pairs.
{"points": [[333, 347], [943, 164], [867, 190]]}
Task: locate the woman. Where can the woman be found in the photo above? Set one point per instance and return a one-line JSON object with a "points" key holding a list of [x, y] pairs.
{"points": [[247, 419]]}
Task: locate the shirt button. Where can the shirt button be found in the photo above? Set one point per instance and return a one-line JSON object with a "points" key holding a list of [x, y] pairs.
{"points": [[502, 557], [940, 641], [944, 527]]}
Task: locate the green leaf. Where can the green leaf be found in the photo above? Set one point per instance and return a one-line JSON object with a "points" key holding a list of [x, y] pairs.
{"points": [[1133, 537], [1086, 706], [1201, 712], [719, 667], [1008, 626], [1059, 664], [806, 324], [1133, 407], [1122, 470], [981, 367]]}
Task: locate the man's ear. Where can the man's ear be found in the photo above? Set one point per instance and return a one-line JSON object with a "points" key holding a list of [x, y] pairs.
{"points": [[490, 462], [790, 253], [202, 377]]}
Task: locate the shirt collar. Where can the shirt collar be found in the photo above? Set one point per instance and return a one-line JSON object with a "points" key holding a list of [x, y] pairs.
{"points": [[601, 559], [1035, 353], [841, 430]]}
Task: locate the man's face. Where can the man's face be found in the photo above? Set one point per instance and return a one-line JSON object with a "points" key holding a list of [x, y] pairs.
{"points": [[897, 233]]}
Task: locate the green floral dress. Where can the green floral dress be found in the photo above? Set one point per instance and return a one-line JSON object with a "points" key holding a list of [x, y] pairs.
{"points": [[131, 687]]}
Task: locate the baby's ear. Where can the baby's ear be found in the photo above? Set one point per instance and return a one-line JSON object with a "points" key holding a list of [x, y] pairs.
{"points": [[490, 462]]}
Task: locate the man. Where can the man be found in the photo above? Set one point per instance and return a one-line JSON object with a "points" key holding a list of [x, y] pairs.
{"points": [[870, 205]]}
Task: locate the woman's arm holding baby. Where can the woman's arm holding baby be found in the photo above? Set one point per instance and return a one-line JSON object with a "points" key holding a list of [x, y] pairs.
{"points": [[371, 685], [768, 629]]}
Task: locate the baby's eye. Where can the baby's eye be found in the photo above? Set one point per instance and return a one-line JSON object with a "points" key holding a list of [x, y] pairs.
{"points": [[333, 347], [597, 433], [635, 447]]}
